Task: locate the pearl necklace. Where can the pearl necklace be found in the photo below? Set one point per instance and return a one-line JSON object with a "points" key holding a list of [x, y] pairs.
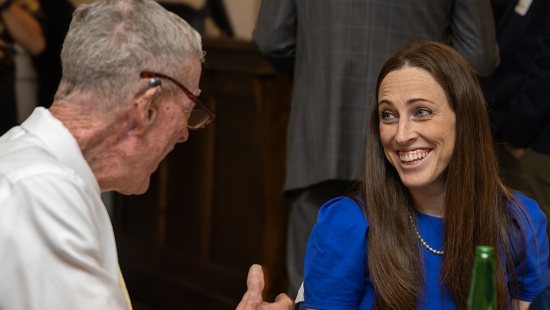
{"points": [[436, 252]]}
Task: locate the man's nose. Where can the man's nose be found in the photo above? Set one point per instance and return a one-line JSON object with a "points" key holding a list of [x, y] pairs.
{"points": [[184, 136]]}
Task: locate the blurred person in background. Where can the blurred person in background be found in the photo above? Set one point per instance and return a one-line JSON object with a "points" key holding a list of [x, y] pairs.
{"points": [[20, 22], [518, 94], [57, 16], [499, 6], [195, 12], [334, 49]]}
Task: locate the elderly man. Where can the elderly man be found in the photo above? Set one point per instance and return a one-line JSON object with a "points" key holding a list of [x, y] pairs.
{"points": [[128, 94]]}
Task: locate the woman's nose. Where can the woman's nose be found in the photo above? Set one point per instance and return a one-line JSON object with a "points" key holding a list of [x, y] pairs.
{"points": [[405, 131]]}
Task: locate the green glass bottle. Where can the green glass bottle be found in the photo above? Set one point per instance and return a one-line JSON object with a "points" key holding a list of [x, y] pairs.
{"points": [[483, 287]]}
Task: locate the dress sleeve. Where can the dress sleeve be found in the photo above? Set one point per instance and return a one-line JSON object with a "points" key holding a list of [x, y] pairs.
{"points": [[334, 271], [532, 275], [54, 260]]}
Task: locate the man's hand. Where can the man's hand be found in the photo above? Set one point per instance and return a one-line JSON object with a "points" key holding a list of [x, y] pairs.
{"points": [[252, 299]]}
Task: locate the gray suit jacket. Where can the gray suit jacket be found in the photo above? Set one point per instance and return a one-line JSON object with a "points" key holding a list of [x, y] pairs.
{"points": [[335, 49]]}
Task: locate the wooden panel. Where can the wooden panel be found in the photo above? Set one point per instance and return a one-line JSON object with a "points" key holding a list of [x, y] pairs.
{"points": [[216, 204]]}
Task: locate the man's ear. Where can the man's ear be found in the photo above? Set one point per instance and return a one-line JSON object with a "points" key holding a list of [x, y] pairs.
{"points": [[145, 110]]}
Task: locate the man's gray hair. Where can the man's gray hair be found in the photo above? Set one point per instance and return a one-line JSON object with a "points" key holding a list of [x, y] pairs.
{"points": [[111, 41]]}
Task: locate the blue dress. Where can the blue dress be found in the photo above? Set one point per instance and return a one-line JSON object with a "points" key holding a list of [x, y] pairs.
{"points": [[334, 270]]}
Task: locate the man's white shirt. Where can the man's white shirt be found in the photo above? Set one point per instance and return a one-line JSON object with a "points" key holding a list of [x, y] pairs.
{"points": [[57, 247]]}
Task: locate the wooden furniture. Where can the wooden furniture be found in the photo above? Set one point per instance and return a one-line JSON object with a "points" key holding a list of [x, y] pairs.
{"points": [[215, 206]]}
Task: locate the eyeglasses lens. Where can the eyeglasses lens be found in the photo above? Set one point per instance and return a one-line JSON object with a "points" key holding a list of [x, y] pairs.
{"points": [[197, 119]]}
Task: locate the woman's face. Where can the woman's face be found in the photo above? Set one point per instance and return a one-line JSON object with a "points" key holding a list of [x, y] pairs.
{"points": [[417, 128]]}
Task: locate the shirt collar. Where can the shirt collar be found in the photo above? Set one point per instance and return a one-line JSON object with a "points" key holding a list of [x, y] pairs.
{"points": [[60, 143]]}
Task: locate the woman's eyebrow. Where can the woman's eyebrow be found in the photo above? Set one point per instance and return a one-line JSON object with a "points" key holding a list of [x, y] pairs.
{"points": [[414, 100], [385, 101]]}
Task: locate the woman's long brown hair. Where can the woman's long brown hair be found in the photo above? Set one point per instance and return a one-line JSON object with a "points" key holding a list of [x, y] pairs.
{"points": [[475, 208]]}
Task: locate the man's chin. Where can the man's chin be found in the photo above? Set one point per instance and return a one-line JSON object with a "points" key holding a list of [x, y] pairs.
{"points": [[137, 190], [142, 191]]}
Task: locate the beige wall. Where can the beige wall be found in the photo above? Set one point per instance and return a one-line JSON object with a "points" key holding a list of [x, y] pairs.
{"points": [[242, 13]]}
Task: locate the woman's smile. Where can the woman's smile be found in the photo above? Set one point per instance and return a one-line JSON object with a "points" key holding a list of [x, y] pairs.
{"points": [[413, 157]]}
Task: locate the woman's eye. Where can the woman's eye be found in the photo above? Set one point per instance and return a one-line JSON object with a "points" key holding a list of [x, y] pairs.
{"points": [[423, 112], [386, 116]]}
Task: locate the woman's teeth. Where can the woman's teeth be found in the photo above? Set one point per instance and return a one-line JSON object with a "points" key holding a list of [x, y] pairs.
{"points": [[413, 157]]}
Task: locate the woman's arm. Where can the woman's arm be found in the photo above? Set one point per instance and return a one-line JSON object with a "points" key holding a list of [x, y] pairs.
{"points": [[334, 267], [532, 271]]}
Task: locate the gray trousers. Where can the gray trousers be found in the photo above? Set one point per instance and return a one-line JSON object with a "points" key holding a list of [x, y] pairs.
{"points": [[303, 215]]}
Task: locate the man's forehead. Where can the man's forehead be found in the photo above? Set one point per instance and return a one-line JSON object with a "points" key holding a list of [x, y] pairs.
{"points": [[194, 70]]}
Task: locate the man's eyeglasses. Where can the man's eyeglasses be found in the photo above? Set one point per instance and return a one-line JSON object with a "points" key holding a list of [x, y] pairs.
{"points": [[200, 116]]}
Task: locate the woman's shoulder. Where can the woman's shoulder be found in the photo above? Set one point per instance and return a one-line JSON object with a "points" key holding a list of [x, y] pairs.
{"points": [[334, 266], [342, 211], [529, 205]]}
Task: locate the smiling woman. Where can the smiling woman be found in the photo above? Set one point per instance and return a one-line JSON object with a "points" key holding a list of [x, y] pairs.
{"points": [[431, 192]]}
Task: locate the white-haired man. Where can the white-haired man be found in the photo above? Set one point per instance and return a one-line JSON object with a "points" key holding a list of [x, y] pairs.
{"points": [[131, 75]]}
